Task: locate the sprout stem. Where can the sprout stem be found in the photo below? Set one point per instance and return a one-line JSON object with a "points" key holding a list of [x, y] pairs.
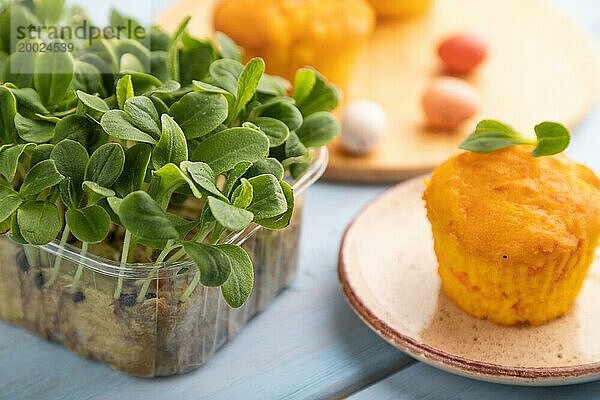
{"points": [[191, 287], [57, 261], [161, 257], [79, 272], [124, 255]]}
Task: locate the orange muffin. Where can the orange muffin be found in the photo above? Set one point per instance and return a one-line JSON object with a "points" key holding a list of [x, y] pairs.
{"points": [[514, 235], [325, 34], [399, 8]]}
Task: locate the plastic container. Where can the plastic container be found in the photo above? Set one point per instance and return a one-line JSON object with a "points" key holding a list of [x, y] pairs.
{"points": [[160, 335]]}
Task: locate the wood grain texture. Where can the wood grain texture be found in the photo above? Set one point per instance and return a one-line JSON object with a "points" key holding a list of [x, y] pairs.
{"points": [[421, 381], [536, 71]]}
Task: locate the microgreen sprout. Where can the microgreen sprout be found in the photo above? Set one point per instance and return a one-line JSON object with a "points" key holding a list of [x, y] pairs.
{"points": [[85, 152]]}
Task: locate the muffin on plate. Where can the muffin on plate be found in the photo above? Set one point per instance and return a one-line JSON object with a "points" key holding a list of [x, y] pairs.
{"points": [[289, 34], [514, 235]]}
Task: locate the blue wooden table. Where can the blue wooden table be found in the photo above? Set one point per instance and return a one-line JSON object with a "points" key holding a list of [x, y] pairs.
{"points": [[307, 345]]}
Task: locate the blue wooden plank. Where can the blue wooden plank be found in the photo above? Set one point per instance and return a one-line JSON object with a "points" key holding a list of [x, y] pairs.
{"points": [[308, 344], [421, 381]]}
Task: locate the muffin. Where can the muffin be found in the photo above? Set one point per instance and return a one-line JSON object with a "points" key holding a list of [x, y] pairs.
{"points": [[325, 34], [399, 8], [514, 235]]}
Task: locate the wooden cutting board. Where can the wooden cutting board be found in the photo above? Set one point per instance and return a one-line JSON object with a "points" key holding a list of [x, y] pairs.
{"points": [[541, 66]]}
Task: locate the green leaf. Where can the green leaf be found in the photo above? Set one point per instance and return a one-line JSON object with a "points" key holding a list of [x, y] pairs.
{"points": [[225, 73], [135, 49], [8, 111], [87, 78], [195, 56], [144, 218], [318, 129], [227, 148], [172, 146], [70, 194], [173, 51], [131, 63], [202, 175], [116, 124], [490, 135], [132, 178], [323, 96], [489, 141], [71, 159], [199, 113], [238, 286], [166, 181], [268, 200], [15, 231], [34, 131], [294, 147], [229, 216], [169, 87], [203, 87], [233, 175], [111, 206], [553, 138], [228, 47], [297, 169], [248, 83], [9, 159], [28, 99], [106, 165], [40, 153], [92, 105], [214, 265], [39, 222], [49, 11], [304, 84], [18, 68], [124, 90], [143, 83], [143, 115], [41, 177], [81, 129], [267, 166], [490, 125], [9, 201], [273, 85], [90, 224], [159, 65], [276, 131], [242, 195], [283, 220], [96, 192], [282, 110], [53, 75]]}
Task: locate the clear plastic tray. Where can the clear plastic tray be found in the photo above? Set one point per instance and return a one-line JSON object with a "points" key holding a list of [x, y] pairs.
{"points": [[160, 335]]}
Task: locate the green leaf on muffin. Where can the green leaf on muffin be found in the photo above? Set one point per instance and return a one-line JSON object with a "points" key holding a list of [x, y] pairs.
{"points": [[490, 135]]}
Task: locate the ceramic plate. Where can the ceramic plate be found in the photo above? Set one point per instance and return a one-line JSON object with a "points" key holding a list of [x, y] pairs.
{"points": [[388, 272]]}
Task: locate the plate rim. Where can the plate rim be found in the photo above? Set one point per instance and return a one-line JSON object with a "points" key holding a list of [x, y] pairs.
{"points": [[535, 376]]}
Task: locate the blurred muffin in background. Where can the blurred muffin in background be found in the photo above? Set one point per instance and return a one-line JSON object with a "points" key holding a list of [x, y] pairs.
{"points": [[399, 8], [325, 34]]}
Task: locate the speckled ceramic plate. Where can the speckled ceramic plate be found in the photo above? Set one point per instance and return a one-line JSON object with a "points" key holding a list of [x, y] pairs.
{"points": [[388, 272]]}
